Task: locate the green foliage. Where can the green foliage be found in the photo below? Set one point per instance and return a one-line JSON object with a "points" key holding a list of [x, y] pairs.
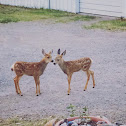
{"points": [[112, 25], [15, 14], [85, 111], [8, 19], [82, 111], [71, 108], [83, 18]]}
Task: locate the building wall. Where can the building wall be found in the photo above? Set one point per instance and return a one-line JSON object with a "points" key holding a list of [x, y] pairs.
{"points": [[64, 5], [102, 7], [26, 3]]}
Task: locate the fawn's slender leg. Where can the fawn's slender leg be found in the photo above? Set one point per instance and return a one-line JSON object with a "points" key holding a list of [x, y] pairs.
{"points": [[15, 82], [39, 86], [69, 80], [19, 91], [88, 77], [36, 82], [92, 74]]}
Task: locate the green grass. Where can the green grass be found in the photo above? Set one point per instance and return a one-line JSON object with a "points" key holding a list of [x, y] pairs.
{"points": [[112, 25], [83, 18], [19, 122], [15, 14]]}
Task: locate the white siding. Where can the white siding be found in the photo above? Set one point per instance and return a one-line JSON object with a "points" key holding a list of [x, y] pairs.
{"points": [[26, 3], [64, 5], [102, 7]]}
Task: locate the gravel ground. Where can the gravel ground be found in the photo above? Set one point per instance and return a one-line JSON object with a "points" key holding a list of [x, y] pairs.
{"points": [[24, 41]]}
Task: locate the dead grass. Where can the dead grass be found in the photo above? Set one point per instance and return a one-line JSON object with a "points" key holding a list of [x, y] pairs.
{"points": [[21, 122]]}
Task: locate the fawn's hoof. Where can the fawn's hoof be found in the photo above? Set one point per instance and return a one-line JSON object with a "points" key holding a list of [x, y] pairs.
{"points": [[68, 93], [93, 87], [84, 90], [21, 94], [37, 95]]}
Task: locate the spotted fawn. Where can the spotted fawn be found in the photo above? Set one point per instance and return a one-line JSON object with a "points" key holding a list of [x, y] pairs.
{"points": [[69, 67], [34, 69]]}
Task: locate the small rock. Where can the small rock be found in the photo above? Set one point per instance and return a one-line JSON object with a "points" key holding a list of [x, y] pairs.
{"points": [[117, 124], [66, 120], [63, 124], [101, 122], [88, 125], [88, 119], [83, 120], [104, 125], [74, 124], [18, 123], [78, 121], [70, 123]]}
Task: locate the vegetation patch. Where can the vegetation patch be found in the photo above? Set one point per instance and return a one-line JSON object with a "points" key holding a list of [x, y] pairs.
{"points": [[15, 14], [21, 122], [83, 18], [7, 19], [112, 25]]}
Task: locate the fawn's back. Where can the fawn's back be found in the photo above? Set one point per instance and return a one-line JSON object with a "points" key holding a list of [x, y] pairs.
{"points": [[80, 64], [30, 68], [76, 65]]}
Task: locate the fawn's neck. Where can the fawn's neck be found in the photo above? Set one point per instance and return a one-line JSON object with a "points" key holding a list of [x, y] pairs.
{"points": [[43, 63], [63, 66]]}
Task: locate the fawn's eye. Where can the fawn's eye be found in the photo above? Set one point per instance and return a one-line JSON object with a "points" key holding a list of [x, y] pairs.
{"points": [[48, 57], [57, 59]]}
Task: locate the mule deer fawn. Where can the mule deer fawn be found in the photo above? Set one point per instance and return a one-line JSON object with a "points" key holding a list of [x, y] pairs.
{"points": [[34, 69], [69, 67]]}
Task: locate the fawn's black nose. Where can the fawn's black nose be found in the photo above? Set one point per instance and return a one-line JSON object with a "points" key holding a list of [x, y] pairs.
{"points": [[52, 61]]}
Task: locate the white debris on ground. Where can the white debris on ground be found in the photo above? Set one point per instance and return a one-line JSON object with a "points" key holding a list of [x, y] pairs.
{"points": [[83, 122]]}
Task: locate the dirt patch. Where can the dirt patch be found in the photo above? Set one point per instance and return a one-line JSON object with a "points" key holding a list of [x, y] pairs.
{"points": [[24, 41]]}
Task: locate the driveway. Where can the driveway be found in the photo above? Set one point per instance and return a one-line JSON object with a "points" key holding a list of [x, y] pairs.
{"points": [[24, 41]]}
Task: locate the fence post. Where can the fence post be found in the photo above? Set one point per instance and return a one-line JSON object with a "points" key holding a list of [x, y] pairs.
{"points": [[49, 4], [77, 6]]}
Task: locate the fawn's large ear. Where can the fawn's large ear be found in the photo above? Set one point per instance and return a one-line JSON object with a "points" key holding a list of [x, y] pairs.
{"points": [[43, 51], [58, 51], [51, 52], [63, 53]]}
